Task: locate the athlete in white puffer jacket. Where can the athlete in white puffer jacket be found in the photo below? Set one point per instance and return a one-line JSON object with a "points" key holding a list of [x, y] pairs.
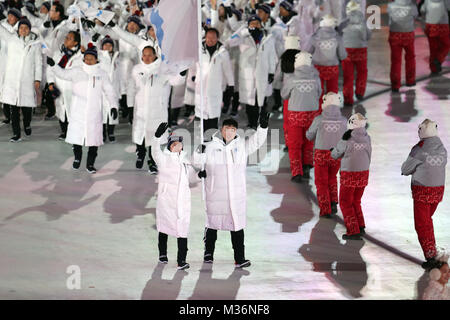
{"points": [[148, 92], [22, 75]]}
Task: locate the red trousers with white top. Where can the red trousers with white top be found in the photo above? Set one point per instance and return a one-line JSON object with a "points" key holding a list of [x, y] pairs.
{"points": [[325, 178], [426, 200], [356, 59], [350, 194], [400, 41], [439, 41]]}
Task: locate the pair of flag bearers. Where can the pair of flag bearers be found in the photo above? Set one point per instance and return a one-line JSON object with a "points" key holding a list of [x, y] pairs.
{"points": [[223, 161]]}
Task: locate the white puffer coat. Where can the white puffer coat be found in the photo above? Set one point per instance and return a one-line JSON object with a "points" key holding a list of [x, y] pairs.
{"points": [[225, 184], [89, 83], [63, 102], [148, 92], [256, 62], [23, 66], [214, 69], [173, 207], [110, 64]]}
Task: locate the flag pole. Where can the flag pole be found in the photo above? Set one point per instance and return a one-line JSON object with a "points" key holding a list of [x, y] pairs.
{"points": [[200, 73]]}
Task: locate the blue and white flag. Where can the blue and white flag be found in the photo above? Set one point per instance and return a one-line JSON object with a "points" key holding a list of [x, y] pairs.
{"points": [[176, 28]]}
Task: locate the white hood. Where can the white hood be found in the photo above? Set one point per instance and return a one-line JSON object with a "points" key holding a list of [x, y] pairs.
{"points": [[427, 129]]}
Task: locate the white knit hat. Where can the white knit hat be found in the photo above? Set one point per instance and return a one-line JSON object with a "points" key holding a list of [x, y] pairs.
{"points": [[292, 42], [332, 99], [427, 129], [302, 59], [352, 6], [328, 21], [356, 121]]}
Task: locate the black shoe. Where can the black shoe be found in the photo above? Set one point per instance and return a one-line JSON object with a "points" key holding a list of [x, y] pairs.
{"points": [[225, 110], [334, 209], [139, 163], [15, 139], [49, 116], [276, 108], [91, 169], [163, 259], [6, 121], [297, 179], [438, 66], [233, 113], [430, 264], [359, 97], [348, 104], [285, 149], [208, 258], [352, 237], [76, 164], [306, 174], [112, 139], [27, 131], [183, 266], [411, 84], [243, 264], [362, 230], [62, 137], [395, 90], [152, 168]]}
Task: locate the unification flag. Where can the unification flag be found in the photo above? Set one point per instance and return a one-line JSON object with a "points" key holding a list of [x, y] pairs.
{"points": [[176, 28]]}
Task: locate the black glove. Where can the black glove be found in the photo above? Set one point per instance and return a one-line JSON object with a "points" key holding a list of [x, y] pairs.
{"points": [[47, 24], [88, 23], [264, 119], [55, 93], [111, 24], [202, 174], [193, 78], [347, 135], [271, 77], [50, 62], [161, 129], [228, 12], [183, 73], [114, 113], [95, 37]]}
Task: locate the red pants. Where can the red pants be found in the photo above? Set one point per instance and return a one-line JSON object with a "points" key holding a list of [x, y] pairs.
{"points": [[329, 75], [350, 194], [356, 58], [399, 41], [325, 178], [438, 38], [300, 148], [285, 125], [426, 200]]}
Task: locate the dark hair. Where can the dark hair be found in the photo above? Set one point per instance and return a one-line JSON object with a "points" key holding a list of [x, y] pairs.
{"points": [[288, 60], [150, 47], [59, 8], [230, 122], [212, 30], [76, 37]]}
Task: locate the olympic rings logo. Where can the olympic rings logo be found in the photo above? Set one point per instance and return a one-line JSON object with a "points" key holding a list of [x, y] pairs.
{"points": [[305, 87], [332, 127], [435, 161], [400, 13], [359, 146], [327, 45]]}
